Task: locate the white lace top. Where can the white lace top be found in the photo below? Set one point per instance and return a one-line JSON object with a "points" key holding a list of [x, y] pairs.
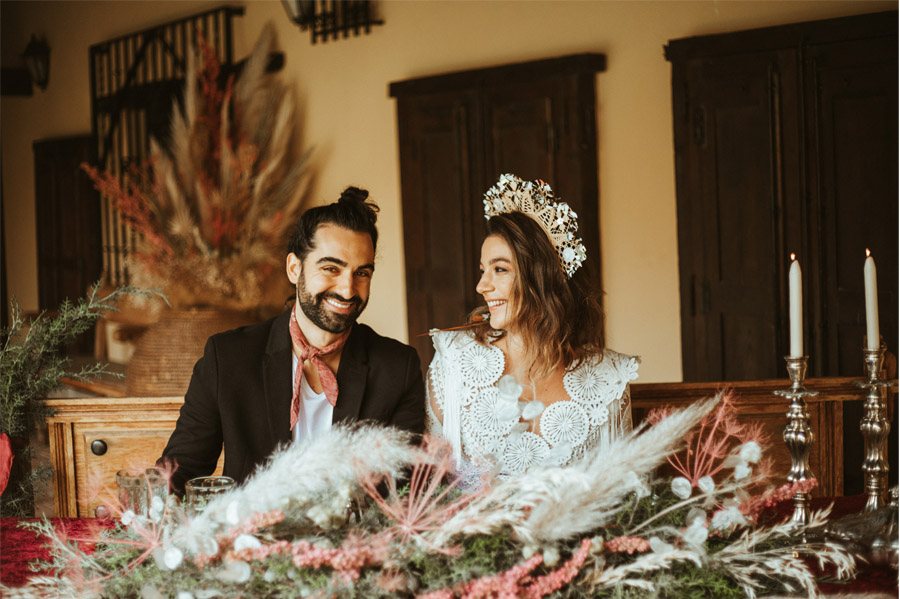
{"points": [[462, 387]]}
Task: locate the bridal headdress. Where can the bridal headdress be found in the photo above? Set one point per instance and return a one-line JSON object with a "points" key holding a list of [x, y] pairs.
{"points": [[535, 198]]}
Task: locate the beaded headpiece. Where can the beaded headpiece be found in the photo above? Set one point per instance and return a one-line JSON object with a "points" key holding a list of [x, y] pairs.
{"points": [[535, 198]]}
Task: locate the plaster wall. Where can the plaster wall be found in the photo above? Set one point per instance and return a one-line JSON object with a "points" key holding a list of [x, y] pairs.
{"points": [[351, 121]]}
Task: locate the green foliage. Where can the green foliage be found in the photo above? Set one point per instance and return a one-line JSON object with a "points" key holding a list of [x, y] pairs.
{"points": [[30, 360], [481, 555], [31, 365]]}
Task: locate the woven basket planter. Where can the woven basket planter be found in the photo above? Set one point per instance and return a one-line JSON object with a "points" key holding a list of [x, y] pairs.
{"points": [[164, 356]]}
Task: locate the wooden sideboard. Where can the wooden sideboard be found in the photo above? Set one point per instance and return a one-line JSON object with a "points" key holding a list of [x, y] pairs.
{"points": [[91, 438], [129, 432], [756, 402]]}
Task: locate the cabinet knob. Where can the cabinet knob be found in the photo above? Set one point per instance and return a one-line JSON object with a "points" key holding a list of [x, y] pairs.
{"points": [[101, 511], [98, 447]]}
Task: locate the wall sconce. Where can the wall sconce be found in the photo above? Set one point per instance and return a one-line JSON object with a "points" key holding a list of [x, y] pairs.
{"points": [[37, 59], [331, 18]]}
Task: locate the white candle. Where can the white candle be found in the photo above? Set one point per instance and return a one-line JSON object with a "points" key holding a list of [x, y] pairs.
{"points": [[795, 297], [873, 337]]}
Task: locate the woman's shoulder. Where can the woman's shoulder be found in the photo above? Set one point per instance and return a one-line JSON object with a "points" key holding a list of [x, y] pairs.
{"points": [[479, 364], [599, 380], [455, 340]]}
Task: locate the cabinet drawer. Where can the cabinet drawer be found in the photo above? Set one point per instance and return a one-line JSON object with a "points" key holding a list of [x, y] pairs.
{"points": [[132, 445]]}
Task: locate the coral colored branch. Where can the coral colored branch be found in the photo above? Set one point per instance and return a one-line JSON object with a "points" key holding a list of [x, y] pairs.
{"points": [[549, 583]]}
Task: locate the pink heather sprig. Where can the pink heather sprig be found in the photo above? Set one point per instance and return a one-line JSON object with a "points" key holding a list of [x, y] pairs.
{"points": [[504, 585], [755, 505], [718, 433], [548, 583], [347, 560], [626, 544]]}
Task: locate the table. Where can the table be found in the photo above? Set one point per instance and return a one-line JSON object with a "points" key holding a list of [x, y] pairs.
{"points": [[20, 546]]}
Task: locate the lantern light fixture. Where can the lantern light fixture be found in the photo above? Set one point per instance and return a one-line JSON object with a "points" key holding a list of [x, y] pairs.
{"points": [[331, 19], [37, 59]]}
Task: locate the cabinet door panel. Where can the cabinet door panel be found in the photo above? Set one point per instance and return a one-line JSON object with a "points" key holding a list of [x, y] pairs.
{"points": [[439, 212], [852, 106], [733, 245]]}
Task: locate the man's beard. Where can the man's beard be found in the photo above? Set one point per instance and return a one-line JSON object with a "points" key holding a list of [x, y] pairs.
{"points": [[314, 309]]}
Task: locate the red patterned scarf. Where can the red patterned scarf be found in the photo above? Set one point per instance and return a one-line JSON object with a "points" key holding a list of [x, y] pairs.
{"points": [[308, 352]]}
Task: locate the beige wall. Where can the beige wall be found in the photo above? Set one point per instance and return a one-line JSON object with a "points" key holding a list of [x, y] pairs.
{"points": [[351, 121]]}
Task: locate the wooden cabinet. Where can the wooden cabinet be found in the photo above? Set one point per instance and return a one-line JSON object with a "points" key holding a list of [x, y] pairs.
{"points": [[785, 141], [756, 403], [457, 133], [92, 438]]}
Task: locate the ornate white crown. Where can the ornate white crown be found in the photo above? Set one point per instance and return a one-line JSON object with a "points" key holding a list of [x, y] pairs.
{"points": [[535, 198]]}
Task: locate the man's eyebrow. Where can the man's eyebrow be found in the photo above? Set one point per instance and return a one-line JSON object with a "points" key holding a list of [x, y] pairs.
{"points": [[339, 262], [329, 259]]}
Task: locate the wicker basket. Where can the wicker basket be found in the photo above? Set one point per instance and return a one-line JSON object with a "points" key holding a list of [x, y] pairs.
{"points": [[164, 356]]}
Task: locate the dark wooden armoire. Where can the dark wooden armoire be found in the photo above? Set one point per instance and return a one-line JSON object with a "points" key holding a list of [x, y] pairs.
{"points": [[786, 141], [457, 133]]}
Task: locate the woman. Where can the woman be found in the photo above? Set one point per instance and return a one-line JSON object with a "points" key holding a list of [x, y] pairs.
{"points": [[566, 393]]}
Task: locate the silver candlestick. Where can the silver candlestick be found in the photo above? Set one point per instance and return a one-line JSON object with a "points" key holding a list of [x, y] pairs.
{"points": [[798, 436], [875, 428]]}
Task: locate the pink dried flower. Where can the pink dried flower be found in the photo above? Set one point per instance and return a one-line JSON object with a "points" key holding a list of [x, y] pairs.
{"points": [[626, 544], [503, 585], [548, 583], [423, 508], [755, 505], [718, 433]]}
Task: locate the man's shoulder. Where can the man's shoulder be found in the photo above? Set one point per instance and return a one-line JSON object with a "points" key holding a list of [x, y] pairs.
{"points": [[247, 336], [383, 347]]}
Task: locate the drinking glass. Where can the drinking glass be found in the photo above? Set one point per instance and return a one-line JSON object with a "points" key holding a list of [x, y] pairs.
{"points": [[198, 492], [137, 489]]}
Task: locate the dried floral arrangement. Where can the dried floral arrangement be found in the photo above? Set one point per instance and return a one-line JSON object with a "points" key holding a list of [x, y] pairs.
{"points": [[31, 365], [213, 207], [332, 518]]}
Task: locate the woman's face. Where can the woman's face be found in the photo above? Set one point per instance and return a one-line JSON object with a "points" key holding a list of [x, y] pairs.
{"points": [[498, 277]]}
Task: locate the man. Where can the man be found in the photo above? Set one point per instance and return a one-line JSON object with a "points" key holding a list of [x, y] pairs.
{"points": [[293, 376]]}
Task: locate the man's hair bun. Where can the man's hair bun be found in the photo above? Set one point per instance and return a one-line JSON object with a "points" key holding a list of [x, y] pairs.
{"points": [[353, 194]]}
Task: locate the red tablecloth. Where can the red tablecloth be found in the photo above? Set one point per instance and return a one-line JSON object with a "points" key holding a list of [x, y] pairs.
{"points": [[20, 546]]}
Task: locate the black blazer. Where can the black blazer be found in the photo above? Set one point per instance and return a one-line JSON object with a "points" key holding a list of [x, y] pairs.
{"points": [[240, 395]]}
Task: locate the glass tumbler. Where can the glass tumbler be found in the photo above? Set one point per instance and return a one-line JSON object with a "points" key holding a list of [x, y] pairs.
{"points": [[136, 489], [198, 492]]}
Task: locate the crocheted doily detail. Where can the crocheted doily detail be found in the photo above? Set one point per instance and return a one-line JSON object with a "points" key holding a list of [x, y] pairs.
{"points": [[480, 365], [524, 451], [564, 422], [597, 383], [483, 425]]}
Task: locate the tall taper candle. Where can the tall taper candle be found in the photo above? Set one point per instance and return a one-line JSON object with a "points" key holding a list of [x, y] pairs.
{"points": [[873, 336], [795, 297]]}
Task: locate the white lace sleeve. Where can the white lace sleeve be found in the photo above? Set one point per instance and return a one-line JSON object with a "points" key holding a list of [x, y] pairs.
{"points": [[434, 397]]}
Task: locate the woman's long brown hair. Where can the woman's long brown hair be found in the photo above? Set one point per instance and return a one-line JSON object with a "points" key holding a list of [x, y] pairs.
{"points": [[559, 319]]}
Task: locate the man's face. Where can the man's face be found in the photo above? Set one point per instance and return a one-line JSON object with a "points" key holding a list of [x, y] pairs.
{"points": [[333, 280]]}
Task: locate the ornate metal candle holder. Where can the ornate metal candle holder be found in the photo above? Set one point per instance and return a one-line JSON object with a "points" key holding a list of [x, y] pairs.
{"points": [[875, 428], [798, 435]]}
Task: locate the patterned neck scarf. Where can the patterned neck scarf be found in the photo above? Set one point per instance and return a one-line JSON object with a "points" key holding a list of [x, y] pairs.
{"points": [[308, 352]]}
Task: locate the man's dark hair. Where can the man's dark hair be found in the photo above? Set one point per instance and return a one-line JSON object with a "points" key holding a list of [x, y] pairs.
{"points": [[351, 211]]}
